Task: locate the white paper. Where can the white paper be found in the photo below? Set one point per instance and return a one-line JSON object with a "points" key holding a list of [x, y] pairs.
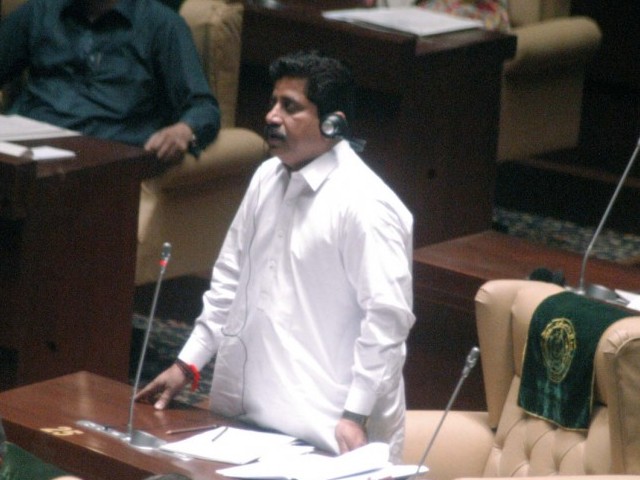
{"points": [[416, 20], [35, 153], [229, 445], [14, 149], [16, 127], [632, 298], [50, 153], [367, 461]]}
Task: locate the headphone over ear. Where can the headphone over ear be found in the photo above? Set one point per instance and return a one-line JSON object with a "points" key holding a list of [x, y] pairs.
{"points": [[333, 125]]}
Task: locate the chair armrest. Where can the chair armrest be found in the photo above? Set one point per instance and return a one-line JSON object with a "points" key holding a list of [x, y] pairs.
{"points": [[235, 152], [461, 448], [543, 46]]}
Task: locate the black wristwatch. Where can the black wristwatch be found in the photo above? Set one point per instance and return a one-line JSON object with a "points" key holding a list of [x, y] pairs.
{"points": [[355, 417]]}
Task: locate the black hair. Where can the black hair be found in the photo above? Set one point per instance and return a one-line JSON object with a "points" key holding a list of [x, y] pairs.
{"points": [[330, 85]]}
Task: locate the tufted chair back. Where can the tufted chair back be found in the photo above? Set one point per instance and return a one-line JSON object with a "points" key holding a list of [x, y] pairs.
{"points": [[505, 441]]}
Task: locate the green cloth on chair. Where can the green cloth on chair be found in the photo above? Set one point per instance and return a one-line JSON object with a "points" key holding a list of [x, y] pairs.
{"points": [[557, 373], [21, 465]]}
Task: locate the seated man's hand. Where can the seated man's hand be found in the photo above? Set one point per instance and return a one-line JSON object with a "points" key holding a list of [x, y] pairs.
{"points": [[171, 143], [163, 388], [350, 435]]}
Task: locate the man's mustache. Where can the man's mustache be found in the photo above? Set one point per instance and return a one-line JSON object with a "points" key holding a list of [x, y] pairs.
{"points": [[273, 131]]}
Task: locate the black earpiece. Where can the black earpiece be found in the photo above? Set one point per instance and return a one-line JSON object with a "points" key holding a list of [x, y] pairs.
{"points": [[333, 125]]}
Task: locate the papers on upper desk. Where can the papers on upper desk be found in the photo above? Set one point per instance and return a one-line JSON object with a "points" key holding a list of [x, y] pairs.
{"points": [[416, 20], [370, 462]]}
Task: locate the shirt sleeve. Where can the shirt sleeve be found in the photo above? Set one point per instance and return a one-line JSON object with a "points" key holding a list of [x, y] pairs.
{"points": [[378, 259], [209, 327], [186, 84]]}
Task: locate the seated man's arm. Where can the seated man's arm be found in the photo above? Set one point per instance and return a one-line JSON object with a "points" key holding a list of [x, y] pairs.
{"points": [[188, 94]]}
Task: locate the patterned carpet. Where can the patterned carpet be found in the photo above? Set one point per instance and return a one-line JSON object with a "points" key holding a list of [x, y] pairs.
{"points": [[181, 300]]}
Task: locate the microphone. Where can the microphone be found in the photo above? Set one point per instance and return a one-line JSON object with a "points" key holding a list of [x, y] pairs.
{"points": [[598, 291], [470, 362], [138, 438]]}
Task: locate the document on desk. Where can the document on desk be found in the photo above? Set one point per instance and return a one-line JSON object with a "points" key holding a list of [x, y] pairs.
{"points": [[43, 152], [370, 462], [16, 127], [416, 20], [229, 445]]}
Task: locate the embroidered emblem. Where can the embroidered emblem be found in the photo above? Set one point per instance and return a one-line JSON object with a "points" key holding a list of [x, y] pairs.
{"points": [[558, 348]]}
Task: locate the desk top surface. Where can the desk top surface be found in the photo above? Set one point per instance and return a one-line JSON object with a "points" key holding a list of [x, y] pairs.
{"points": [[90, 153], [382, 59], [28, 412], [491, 255]]}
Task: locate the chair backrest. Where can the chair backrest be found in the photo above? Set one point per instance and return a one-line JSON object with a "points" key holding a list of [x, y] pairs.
{"points": [[216, 27], [524, 12], [531, 446]]}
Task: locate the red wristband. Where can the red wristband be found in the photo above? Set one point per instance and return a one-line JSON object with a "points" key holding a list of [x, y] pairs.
{"points": [[195, 381], [191, 372]]}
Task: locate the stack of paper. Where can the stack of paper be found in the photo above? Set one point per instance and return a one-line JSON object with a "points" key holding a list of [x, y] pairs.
{"points": [[416, 20], [229, 445], [370, 462], [16, 127], [35, 153]]}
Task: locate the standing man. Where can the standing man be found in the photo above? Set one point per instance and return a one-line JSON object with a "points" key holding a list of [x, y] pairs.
{"points": [[125, 70], [311, 297]]}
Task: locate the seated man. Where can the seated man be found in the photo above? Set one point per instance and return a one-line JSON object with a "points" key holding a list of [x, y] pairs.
{"points": [[311, 297], [125, 70]]}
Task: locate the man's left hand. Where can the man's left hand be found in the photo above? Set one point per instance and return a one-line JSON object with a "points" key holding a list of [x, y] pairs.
{"points": [[350, 435], [171, 143]]}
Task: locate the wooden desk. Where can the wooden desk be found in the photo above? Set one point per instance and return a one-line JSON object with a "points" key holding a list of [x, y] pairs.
{"points": [[447, 276], [67, 258], [428, 107], [59, 403]]}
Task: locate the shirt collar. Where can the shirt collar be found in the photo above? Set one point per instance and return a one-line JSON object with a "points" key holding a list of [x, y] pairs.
{"points": [[126, 8], [318, 171]]}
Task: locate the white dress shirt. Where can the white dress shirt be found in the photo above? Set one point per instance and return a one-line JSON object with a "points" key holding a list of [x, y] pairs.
{"points": [[311, 303]]}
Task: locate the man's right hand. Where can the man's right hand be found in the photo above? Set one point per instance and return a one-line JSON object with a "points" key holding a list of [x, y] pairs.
{"points": [[163, 388]]}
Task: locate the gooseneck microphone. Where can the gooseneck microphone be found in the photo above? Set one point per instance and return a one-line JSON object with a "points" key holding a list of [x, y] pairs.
{"points": [[138, 438], [470, 362], [598, 291]]}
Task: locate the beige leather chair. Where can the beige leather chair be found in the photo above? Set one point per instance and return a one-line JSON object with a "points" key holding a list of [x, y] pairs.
{"points": [[504, 441], [191, 205], [542, 85]]}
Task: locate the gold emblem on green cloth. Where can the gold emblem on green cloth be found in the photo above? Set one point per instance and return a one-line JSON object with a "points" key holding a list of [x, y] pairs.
{"points": [[558, 345]]}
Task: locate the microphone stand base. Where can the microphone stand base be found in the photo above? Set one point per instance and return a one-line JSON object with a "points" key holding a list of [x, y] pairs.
{"points": [[599, 292], [138, 439]]}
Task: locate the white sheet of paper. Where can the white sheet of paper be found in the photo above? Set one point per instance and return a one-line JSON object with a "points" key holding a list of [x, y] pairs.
{"points": [[367, 460], [16, 127], [229, 444], [50, 153], [416, 20]]}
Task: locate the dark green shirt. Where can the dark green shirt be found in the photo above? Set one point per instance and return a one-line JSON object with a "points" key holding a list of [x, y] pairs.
{"points": [[123, 77]]}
